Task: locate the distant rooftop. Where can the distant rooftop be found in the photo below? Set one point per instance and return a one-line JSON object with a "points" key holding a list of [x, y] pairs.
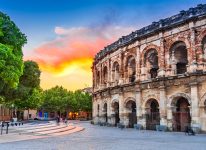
{"points": [[162, 24]]}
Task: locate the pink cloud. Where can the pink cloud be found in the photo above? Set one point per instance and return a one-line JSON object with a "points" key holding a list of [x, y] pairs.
{"points": [[74, 44]]}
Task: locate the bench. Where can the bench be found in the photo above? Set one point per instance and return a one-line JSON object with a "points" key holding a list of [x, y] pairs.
{"points": [[138, 126], [161, 128]]}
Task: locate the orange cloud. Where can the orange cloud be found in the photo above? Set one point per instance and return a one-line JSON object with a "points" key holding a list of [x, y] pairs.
{"points": [[72, 50]]}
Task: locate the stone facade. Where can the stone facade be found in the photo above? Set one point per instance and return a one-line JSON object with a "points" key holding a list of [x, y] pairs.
{"points": [[155, 75]]}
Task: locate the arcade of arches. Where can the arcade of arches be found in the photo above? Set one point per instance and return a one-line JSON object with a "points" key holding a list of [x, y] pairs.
{"points": [[155, 79]]}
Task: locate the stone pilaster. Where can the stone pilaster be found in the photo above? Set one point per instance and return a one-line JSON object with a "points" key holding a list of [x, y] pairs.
{"points": [[163, 106], [138, 103], [121, 107], [138, 71], [161, 59], [142, 119], [195, 104], [169, 117]]}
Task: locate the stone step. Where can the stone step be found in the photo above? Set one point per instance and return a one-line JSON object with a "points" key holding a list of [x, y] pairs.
{"points": [[76, 129], [37, 129], [57, 130]]}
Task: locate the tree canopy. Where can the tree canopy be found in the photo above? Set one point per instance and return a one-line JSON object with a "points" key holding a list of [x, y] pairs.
{"points": [[59, 99], [11, 63], [28, 95]]}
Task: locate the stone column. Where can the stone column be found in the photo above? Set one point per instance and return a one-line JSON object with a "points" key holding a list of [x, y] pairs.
{"points": [[126, 117], [121, 70], [163, 106], [112, 115], [142, 118], [195, 103], [138, 104], [109, 111], [95, 114], [109, 73], [161, 59], [138, 58], [193, 59], [121, 107], [169, 117], [173, 64]]}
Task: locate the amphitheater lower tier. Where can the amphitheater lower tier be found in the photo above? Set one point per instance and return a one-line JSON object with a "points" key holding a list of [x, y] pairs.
{"points": [[175, 102]]}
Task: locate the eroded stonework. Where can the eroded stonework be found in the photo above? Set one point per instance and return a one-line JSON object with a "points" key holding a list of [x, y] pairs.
{"points": [[155, 75]]}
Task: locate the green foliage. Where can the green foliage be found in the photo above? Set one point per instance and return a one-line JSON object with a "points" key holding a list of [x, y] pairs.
{"points": [[31, 75], [84, 100], [28, 94], [55, 99], [59, 99], [11, 66], [10, 34], [11, 63]]}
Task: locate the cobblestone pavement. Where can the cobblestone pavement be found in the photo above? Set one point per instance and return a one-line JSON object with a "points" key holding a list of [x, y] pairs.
{"points": [[109, 138]]}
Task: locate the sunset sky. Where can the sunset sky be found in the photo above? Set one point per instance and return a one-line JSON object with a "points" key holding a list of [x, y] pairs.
{"points": [[64, 35]]}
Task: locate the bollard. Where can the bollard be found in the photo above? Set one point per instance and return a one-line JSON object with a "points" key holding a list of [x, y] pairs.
{"points": [[7, 127], [2, 128]]}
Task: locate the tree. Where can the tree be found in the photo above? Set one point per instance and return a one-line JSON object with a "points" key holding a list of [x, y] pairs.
{"points": [[28, 95], [55, 99], [11, 63], [84, 100]]}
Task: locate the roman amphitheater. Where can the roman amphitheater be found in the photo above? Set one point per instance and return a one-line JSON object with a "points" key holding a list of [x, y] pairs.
{"points": [[154, 76]]}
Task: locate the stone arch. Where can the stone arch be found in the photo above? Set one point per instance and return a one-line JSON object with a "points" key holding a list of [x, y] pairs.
{"points": [[168, 44], [203, 47], [148, 98], [171, 42], [181, 113], [202, 100], [115, 71], [201, 36], [114, 101], [130, 68], [148, 48], [130, 109], [105, 74], [152, 113], [178, 56], [129, 99], [148, 102], [97, 77], [173, 99], [115, 111]]}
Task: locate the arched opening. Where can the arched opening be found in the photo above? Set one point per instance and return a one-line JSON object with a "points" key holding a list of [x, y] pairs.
{"points": [[116, 112], [151, 62], [181, 114], [97, 79], [105, 112], [204, 47], [115, 72], [131, 68], [105, 75], [152, 114], [131, 107], [179, 58]]}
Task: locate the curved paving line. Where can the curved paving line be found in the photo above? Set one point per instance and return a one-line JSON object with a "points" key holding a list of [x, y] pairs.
{"points": [[58, 131], [19, 130], [48, 129]]}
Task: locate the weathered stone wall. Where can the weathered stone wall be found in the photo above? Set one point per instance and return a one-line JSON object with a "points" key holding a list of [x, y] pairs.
{"points": [[135, 79]]}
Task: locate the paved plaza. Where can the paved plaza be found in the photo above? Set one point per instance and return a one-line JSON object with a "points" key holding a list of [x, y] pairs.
{"points": [[103, 138]]}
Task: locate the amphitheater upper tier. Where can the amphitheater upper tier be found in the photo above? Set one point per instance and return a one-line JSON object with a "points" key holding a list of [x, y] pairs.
{"points": [[160, 63]]}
